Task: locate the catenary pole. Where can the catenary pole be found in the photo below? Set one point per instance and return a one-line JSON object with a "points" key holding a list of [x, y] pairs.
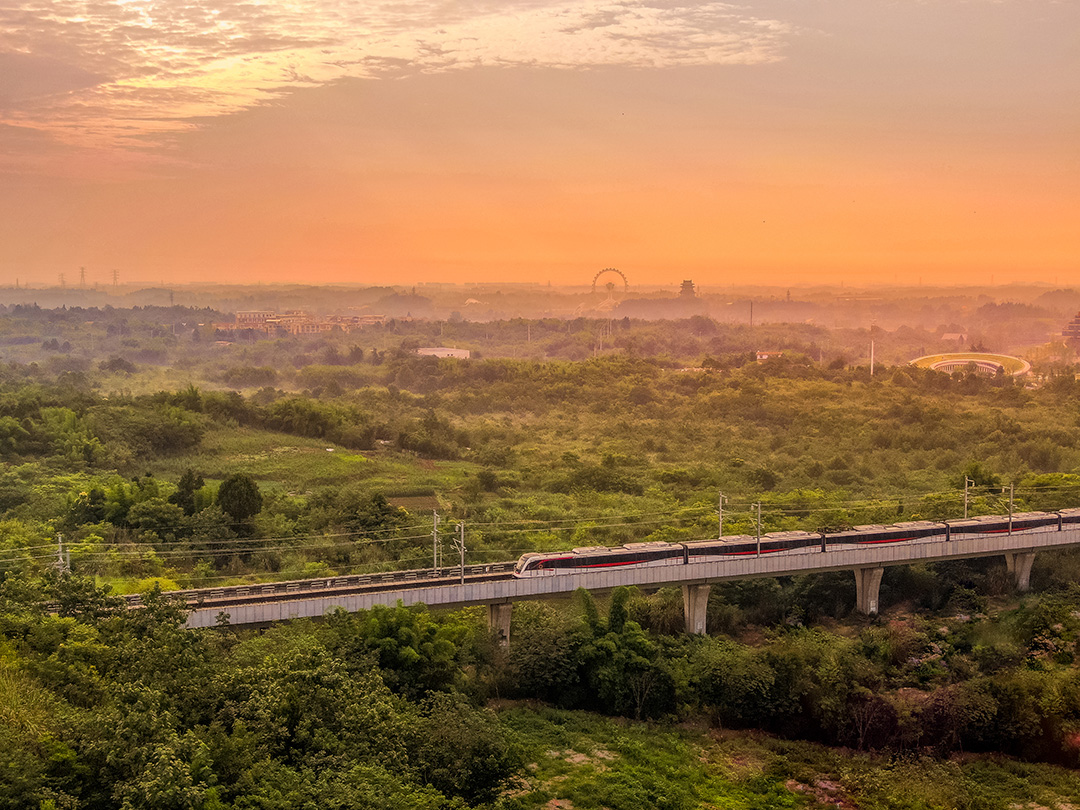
{"points": [[435, 541], [758, 505], [460, 545]]}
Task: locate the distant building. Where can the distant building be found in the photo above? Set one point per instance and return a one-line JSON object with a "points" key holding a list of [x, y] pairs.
{"points": [[1072, 329], [444, 351], [252, 318], [763, 356], [296, 322], [685, 304]]}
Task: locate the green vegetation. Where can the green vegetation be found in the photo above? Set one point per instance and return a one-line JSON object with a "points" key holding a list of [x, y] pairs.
{"points": [[586, 762], [330, 460], [104, 707], [532, 456], [954, 682]]}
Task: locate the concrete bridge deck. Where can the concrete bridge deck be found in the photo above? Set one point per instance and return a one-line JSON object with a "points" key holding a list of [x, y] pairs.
{"points": [[866, 561]]}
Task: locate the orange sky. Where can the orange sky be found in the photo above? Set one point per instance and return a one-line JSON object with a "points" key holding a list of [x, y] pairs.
{"points": [[374, 141]]}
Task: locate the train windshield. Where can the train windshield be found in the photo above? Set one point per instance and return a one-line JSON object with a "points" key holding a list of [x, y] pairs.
{"points": [[522, 562]]}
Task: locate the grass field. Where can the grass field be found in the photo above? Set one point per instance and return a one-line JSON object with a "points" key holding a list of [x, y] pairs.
{"points": [[305, 464]]}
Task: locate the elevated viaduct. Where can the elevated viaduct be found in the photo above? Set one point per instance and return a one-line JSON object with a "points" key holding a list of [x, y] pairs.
{"points": [[498, 589]]}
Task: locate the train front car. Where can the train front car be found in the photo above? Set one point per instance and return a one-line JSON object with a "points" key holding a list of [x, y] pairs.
{"points": [[532, 564], [1001, 524], [597, 558], [894, 533]]}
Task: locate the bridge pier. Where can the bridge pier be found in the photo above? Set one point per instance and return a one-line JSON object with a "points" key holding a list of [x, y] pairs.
{"points": [[1019, 565], [695, 600], [499, 621], [867, 587]]}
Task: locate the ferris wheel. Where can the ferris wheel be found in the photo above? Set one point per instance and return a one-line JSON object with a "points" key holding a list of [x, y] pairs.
{"points": [[611, 285]]}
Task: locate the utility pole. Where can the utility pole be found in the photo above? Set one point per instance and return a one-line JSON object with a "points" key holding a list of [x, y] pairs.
{"points": [[459, 544], [1010, 506], [435, 542], [60, 566], [873, 324], [758, 505], [967, 483], [720, 514]]}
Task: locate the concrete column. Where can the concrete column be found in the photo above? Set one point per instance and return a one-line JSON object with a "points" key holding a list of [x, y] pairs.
{"points": [[867, 587], [695, 600], [499, 621], [1019, 565]]}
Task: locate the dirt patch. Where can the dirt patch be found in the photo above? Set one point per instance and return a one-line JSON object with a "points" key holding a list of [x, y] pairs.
{"points": [[823, 791], [579, 758]]}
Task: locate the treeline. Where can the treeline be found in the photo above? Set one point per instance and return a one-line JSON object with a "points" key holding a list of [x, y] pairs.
{"points": [[606, 443], [196, 533], [72, 422]]}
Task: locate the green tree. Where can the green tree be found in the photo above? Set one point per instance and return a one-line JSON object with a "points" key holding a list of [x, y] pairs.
{"points": [[463, 751], [184, 497], [239, 497], [157, 515], [416, 654]]}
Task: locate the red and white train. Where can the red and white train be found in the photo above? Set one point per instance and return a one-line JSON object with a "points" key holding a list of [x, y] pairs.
{"points": [[641, 555]]}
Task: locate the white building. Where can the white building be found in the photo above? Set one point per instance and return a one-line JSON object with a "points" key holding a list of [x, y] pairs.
{"points": [[444, 351]]}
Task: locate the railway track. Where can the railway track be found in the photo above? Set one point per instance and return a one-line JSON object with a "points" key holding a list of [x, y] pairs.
{"points": [[234, 595]]}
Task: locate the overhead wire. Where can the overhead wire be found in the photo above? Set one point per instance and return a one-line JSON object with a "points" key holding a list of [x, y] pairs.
{"points": [[319, 541]]}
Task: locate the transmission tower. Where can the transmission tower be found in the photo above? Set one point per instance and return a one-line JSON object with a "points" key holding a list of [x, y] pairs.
{"points": [[82, 278], [115, 278]]}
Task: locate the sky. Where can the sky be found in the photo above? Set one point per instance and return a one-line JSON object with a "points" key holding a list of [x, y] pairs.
{"points": [[396, 141]]}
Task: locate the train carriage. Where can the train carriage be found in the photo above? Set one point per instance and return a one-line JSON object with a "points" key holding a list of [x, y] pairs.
{"points": [[697, 551], [745, 545], [895, 533], [1068, 517], [1001, 524]]}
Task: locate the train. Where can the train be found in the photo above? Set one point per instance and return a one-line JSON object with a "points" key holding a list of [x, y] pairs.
{"points": [[661, 553]]}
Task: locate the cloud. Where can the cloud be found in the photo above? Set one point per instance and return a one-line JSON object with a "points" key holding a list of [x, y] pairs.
{"points": [[130, 72]]}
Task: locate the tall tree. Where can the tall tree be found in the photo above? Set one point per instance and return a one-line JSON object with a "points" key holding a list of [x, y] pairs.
{"points": [[184, 497], [239, 497]]}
